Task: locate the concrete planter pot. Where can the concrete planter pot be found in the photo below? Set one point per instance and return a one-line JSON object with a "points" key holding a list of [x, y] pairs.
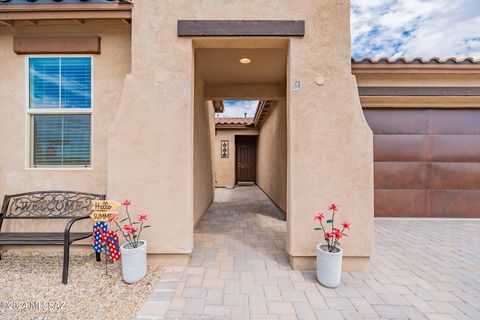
{"points": [[329, 266], [134, 262]]}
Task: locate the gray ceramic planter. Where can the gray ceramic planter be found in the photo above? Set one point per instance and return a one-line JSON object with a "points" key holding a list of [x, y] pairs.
{"points": [[329, 266]]}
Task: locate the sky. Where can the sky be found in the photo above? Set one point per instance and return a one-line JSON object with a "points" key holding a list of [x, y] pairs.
{"points": [[404, 28], [415, 28], [238, 108]]}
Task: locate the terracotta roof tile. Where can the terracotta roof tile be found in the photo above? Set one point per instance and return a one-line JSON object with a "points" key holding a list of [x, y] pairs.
{"points": [[234, 121], [402, 60]]}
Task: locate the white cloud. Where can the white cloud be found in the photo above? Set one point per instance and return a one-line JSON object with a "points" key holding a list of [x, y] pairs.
{"points": [[415, 28], [238, 108]]}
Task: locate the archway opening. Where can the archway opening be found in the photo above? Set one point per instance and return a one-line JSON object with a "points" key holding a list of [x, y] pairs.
{"points": [[240, 146]]}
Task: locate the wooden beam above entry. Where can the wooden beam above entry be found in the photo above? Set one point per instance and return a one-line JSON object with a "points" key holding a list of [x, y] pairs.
{"points": [[239, 28]]}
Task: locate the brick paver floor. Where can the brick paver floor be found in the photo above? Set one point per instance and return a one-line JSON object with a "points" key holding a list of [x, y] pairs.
{"points": [[422, 269]]}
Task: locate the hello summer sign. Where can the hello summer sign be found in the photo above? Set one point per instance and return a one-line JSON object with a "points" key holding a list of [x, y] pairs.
{"points": [[104, 239], [103, 209]]}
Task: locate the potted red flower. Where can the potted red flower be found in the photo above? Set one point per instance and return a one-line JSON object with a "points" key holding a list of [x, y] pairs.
{"points": [[329, 254], [134, 250]]}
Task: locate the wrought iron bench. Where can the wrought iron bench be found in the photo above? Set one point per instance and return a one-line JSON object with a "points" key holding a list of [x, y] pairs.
{"points": [[74, 206]]}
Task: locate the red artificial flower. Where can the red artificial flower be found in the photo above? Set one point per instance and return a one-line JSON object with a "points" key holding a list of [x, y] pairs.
{"points": [[142, 217], [337, 233], [113, 217], [129, 229], [333, 207], [328, 235], [346, 225], [319, 217], [126, 202]]}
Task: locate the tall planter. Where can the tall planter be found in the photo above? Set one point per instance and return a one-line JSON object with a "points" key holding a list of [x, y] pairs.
{"points": [[329, 266], [134, 261]]}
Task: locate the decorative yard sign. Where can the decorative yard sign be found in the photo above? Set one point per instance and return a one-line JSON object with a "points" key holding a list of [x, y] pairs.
{"points": [[102, 238], [102, 216], [105, 205], [103, 209]]}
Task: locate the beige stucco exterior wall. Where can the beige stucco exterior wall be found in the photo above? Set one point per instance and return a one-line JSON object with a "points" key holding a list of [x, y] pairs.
{"points": [[272, 155], [202, 154], [225, 167], [330, 145], [109, 70]]}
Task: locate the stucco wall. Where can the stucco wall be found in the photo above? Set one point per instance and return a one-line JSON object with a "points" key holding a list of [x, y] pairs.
{"points": [[272, 155], [225, 167], [330, 156], [202, 154], [330, 143], [109, 70]]}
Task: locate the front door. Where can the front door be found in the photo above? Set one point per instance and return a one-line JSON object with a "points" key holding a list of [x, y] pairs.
{"points": [[246, 158]]}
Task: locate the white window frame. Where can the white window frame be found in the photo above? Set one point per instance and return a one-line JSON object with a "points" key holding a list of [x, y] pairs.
{"points": [[29, 113]]}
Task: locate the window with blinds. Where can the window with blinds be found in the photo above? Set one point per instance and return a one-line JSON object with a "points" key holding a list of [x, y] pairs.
{"points": [[60, 103]]}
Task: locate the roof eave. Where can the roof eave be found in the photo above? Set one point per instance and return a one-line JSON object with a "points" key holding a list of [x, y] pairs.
{"points": [[234, 126], [65, 11]]}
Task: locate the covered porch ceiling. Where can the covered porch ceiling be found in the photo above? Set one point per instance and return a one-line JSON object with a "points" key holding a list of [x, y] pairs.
{"points": [[242, 73], [225, 66]]}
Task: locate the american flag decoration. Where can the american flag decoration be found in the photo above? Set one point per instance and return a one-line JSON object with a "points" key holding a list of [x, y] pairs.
{"points": [[99, 235], [113, 246]]}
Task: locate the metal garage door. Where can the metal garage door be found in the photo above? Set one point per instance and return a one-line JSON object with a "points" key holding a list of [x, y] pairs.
{"points": [[427, 162]]}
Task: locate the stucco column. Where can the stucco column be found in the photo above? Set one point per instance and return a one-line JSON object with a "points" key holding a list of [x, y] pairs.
{"points": [[150, 151], [330, 144]]}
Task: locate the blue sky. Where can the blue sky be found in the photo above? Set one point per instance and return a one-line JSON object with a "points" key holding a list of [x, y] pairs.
{"points": [[238, 108], [404, 28], [415, 28]]}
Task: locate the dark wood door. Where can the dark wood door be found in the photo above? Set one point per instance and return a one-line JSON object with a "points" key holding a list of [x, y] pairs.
{"points": [[246, 158], [427, 162]]}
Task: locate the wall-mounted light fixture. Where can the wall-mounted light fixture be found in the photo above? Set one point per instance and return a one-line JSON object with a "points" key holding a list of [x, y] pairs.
{"points": [[245, 60]]}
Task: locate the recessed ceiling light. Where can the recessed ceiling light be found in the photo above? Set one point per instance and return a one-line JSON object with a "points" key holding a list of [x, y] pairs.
{"points": [[245, 60]]}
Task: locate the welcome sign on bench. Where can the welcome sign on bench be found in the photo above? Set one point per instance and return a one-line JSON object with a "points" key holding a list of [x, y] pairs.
{"points": [[51, 204]]}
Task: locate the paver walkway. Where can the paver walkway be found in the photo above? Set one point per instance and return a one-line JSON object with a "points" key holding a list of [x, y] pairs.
{"points": [[422, 269]]}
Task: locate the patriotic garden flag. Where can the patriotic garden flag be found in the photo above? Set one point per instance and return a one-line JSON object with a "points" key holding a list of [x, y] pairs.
{"points": [[113, 246], [108, 239], [99, 231]]}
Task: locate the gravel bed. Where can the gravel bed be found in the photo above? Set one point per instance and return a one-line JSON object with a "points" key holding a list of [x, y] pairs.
{"points": [[31, 287]]}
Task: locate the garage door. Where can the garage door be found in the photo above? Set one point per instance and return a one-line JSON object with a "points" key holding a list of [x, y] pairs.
{"points": [[427, 162]]}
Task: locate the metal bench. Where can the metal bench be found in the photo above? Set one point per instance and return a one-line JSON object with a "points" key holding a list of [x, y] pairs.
{"points": [[48, 205]]}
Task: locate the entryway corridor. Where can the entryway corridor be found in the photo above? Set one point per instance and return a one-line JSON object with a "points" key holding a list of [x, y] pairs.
{"points": [[242, 231], [239, 264], [239, 270]]}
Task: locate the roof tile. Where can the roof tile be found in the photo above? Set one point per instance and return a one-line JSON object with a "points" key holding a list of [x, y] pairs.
{"points": [[234, 121], [418, 60]]}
